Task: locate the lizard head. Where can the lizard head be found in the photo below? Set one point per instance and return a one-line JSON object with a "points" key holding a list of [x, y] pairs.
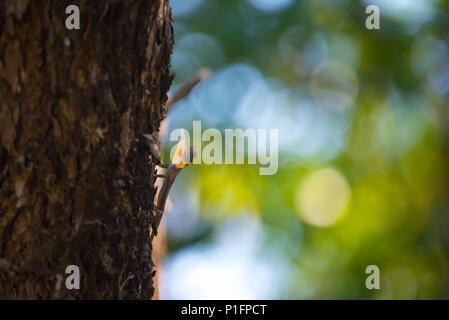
{"points": [[186, 157]]}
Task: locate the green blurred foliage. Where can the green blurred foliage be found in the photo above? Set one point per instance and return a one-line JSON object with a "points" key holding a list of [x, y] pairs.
{"points": [[388, 89]]}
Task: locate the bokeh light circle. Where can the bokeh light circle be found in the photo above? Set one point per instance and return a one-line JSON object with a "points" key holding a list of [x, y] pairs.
{"points": [[323, 197], [334, 85]]}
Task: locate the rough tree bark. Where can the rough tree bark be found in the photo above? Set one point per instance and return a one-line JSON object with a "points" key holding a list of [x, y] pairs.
{"points": [[76, 177]]}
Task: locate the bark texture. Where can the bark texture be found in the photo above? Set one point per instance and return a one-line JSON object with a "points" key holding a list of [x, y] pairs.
{"points": [[76, 177]]}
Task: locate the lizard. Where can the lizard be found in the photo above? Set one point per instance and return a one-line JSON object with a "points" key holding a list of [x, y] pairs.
{"points": [[172, 169], [169, 176]]}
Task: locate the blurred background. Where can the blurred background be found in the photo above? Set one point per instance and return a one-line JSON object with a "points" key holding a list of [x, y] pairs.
{"points": [[363, 151]]}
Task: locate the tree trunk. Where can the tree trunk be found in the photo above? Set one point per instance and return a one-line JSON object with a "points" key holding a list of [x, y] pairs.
{"points": [[76, 176]]}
